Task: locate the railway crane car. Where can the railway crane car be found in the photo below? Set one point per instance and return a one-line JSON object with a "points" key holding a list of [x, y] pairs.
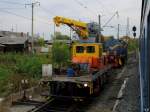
{"points": [[88, 79], [144, 55], [90, 64]]}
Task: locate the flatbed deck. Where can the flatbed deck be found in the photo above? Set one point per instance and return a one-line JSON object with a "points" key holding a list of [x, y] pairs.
{"points": [[77, 87], [81, 78]]}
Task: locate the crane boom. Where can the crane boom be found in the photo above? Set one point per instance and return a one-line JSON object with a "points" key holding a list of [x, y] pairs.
{"points": [[81, 28]]}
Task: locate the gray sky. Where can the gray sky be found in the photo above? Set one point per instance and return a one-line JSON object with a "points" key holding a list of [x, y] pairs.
{"points": [[14, 14]]}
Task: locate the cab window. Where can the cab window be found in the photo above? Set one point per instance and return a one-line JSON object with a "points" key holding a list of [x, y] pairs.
{"points": [[90, 49], [79, 49]]}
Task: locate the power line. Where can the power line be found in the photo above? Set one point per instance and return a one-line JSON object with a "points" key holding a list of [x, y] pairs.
{"points": [[24, 17], [102, 5], [11, 8], [42, 20], [13, 3], [84, 6], [21, 16], [47, 11], [116, 13]]}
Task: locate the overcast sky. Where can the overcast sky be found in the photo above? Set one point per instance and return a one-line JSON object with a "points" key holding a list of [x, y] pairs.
{"points": [[15, 14]]}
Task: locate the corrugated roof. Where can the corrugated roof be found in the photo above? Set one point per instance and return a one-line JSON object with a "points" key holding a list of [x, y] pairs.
{"points": [[12, 40], [1, 45]]}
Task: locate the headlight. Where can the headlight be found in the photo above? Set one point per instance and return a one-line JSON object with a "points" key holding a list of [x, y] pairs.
{"points": [[85, 85]]}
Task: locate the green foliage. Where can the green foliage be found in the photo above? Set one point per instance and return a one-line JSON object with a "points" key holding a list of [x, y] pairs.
{"points": [[5, 73], [59, 36], [133, 44], [20, 65], [31, 66], [60, 54], [41, 42], [23, 63]]}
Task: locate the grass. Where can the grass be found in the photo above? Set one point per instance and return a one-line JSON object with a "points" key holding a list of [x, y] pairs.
{"points": [[17, 66]]}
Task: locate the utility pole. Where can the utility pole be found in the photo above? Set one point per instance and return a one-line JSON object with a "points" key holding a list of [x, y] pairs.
{"points": [[12, 29], [70, 35], [32, 24], [32, 27], [118, 31], [98, 38], [54, 32], [16, 28], [43, 35], [128, 28]]}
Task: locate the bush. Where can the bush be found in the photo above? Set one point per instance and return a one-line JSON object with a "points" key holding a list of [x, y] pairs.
{"points": [[30, 66], [23, 63], [5, 73], [15, 66], [133, 45], [60, 54]]}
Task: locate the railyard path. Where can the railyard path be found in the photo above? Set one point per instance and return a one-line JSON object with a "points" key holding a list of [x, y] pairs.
{"points": [[130, 101], [122, 92]]}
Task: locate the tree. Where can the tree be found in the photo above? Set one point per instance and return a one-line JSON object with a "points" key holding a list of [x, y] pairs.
{"points": [[41, 42], [60, 54], [59, 36]]}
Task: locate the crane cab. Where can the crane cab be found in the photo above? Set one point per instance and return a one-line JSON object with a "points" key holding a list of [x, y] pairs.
{"points": [[87, 53]]}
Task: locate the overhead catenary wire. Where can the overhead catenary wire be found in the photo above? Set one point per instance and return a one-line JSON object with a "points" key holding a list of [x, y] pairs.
{"points": [[43, 8], [16, 5], [23, 4], [85, 7], [100, 5], [116, 13], [10, 2], [47, 11], [24, 17], [12, 13], [11, 8], [5, 10], [41, 20], [105, 8]]}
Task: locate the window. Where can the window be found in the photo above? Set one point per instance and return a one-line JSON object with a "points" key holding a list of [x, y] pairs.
{"points": [[90, 49], [79, 49]]}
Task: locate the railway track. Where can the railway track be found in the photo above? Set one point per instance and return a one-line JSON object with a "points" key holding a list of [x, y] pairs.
{"points": [[106, 99], [56, 105]]}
